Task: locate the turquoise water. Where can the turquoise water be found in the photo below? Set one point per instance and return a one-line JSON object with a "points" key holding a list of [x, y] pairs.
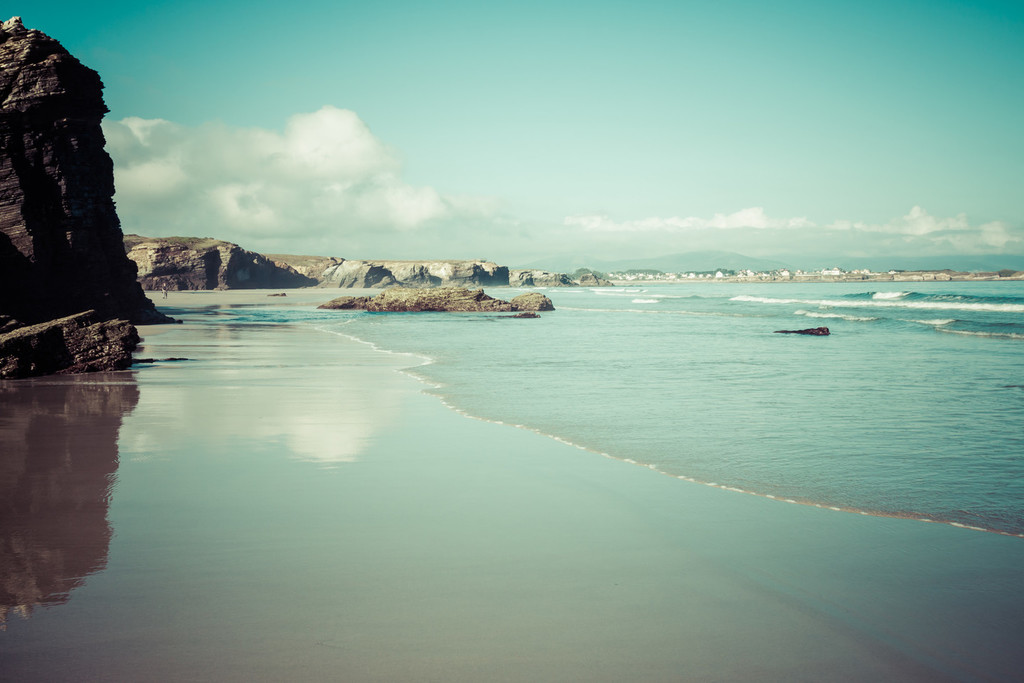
{"points": [[914, 406]]}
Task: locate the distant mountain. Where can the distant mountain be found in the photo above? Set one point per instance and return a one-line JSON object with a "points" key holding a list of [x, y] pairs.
{"points": [[670, 263]]}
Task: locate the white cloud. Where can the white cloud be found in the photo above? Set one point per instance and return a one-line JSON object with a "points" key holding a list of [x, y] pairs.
{"points": [[752, 218], [753, 232], [953, 234], [325, 182]]}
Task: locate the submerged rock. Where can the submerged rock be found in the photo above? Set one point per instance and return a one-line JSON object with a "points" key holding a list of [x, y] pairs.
{"points": [[76, 343], [451, 299], [814, 331]]}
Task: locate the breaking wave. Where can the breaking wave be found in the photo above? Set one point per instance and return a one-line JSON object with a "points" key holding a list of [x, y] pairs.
{"points": [[909, 300]]}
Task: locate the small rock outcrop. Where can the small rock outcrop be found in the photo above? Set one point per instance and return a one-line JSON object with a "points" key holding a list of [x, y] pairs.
{"points": [[539, 278], [374, 274], [813, 331], [591, 280], [78, 343], [190, 263], [450, 299], [60, 238]]}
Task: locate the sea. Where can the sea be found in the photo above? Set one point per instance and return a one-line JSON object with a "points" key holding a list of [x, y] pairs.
{"points": [[912, 407]]}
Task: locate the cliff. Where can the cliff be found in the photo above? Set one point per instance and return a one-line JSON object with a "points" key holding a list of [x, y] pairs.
{"points": [[195, 263], [448, 299], [539, 278], [60, 238], [311, 266], [374, 274]]}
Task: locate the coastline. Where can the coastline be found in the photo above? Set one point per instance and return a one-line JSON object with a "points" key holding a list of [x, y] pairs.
{"points": [[290, 506]]}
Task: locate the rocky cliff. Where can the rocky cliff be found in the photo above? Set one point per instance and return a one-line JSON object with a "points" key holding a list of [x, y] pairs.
{"points": [[374, 274], [60, 238], [448, 299], [196, 263], [539, 278]]}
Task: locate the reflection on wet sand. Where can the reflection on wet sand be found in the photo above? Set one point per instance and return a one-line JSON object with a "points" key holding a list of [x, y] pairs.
{"points": [[58, 459]]}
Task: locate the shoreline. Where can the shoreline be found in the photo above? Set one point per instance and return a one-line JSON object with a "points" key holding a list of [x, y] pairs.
{"points": [[433, 547]]}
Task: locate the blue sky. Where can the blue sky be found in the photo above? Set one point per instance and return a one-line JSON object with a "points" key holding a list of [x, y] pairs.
{"points": [[512, 131]]}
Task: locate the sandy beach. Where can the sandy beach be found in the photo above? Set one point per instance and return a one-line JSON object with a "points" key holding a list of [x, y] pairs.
{"points": [[288, 505]]}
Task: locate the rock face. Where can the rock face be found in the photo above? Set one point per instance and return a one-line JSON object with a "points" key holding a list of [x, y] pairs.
{"points": [[312, 267], [814, 331], [591, 280], [374, 274], [539, 278], [451, 299], [60, 238], [177, 263], [76, 343]]}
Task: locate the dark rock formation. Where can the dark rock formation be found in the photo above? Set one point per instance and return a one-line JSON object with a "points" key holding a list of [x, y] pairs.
{"points": [[177, 263], [374, 274], [60, 238], [452, 299], [77, 343], [815, 331], [538, 278]]}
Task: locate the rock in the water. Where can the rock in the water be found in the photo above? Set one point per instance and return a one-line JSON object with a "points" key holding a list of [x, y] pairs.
{"points": [[814, 331], [539, 278], [177, 263], [76, 343], [374, 274], [60, 238], [532, 301], [347, 303], [452, 299]]}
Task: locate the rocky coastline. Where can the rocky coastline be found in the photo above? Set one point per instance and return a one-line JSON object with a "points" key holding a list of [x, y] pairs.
{"points": [[187, 263]]}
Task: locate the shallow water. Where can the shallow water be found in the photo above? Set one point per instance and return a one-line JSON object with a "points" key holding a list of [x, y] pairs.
{"points": [[912, 407], [286, 506]]}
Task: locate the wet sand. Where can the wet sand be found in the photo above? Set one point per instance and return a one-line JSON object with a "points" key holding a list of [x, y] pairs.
{"points": [[286, 505]]}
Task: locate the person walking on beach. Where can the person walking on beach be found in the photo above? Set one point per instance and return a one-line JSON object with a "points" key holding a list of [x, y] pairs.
{"points": [[165, 291]]}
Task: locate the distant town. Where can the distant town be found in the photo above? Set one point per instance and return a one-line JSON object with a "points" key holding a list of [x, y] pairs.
{"points": [[823, 275]]}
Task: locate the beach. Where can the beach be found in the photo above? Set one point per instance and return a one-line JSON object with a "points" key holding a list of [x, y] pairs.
{"points": [[288, 504]]}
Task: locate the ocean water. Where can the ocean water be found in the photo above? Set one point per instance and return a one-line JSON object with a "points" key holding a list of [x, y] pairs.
{"points": [[913, 407]]}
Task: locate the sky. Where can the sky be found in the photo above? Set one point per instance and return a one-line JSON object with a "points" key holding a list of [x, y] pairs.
{"points": [[519, 131]]}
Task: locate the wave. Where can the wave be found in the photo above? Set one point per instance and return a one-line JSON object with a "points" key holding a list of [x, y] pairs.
{"points": [[925, 302], [852, 318], [937, 322], [886, 296], [979, 333], [644, 301]]}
